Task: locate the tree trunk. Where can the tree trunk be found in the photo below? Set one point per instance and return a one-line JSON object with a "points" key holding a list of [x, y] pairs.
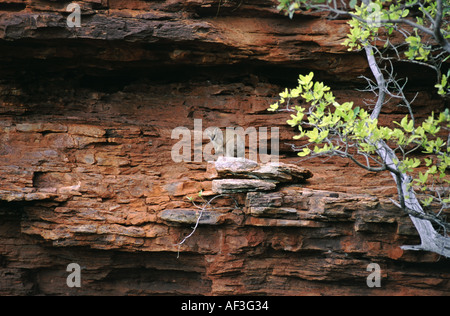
{"points": [[431, 240]]}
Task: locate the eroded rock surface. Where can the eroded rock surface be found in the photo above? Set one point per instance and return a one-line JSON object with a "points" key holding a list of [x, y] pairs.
{"points": [[87, 176]]}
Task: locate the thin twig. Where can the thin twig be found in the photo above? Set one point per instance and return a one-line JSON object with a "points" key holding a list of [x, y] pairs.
{"points": [[202, 209]]}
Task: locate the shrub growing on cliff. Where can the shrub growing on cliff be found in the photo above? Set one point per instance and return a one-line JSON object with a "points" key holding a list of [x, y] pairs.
{"points": [[333, 129]]}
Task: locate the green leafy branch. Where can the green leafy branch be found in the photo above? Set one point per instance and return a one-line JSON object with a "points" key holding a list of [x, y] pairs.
{"points": [[424, 25], [334, 129], [329, 128]]}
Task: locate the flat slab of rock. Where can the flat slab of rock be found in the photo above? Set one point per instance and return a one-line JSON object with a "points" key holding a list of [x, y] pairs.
{"points": [[189, 216], [234, 165], [272, 212], [273, 222], [282, 172], [241, 185], [230, 167]]}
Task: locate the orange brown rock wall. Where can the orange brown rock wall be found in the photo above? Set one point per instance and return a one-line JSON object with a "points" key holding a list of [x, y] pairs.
{"points": [[86, 117]]}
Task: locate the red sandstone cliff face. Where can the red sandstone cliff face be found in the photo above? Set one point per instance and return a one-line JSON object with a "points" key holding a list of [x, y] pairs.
{"points": [[86, 117]]}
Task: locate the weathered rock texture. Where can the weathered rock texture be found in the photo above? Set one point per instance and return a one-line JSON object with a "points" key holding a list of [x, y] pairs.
{"points": [[86, 174]]}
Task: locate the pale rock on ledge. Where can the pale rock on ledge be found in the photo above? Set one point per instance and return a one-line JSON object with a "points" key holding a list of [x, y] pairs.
{"points": [[244, 175]]}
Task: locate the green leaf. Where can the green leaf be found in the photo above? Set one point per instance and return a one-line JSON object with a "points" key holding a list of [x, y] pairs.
{"points": [[427, 202], [295, 93], [285, 94], [273, 107], [404, 122], [306, 151], [432, 170], [313, 135], [305, 80], [323, 135], [423, 177]]}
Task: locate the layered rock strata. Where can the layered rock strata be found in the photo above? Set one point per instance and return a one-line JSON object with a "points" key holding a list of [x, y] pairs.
{"points": [[87, 177]]}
